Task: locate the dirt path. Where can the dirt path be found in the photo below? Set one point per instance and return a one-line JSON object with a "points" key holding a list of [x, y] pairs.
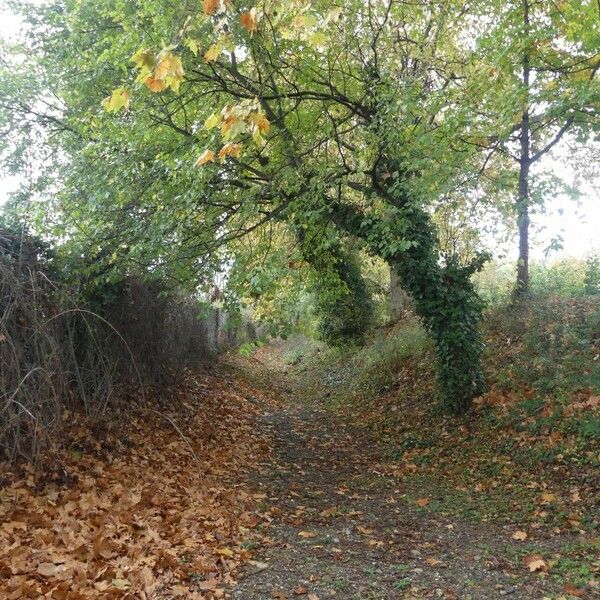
{"points": [[343, 528]]}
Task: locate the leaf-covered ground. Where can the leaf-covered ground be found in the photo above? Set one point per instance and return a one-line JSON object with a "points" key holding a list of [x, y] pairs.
{"points": [[283, 476], [156, 508], [352, 521]]}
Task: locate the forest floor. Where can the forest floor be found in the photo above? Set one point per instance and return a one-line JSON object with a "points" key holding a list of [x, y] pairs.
{"points": [[246, 482], [346, 524]]}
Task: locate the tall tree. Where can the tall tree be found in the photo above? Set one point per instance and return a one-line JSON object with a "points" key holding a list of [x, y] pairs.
{"points": [[338, 122], [533, 81]]}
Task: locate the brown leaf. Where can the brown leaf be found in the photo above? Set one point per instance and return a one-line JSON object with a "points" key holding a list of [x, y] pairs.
{"points": [[248, 21], [211, 6], [535, 562], [520, 535], [307, 534], [422, 502], [574, 591], [48, 569], [364, 530], [300, 590]]}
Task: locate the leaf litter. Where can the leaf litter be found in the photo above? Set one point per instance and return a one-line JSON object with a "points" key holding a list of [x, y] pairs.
{"points": [[157, 509]]}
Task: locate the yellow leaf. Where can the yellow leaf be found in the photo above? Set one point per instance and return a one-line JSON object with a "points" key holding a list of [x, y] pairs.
{"points": [[213, 52], [548, 498], [117, 100], [230, 149], [258, 139], [318, 39], [193, 45], [143, 59], [520, 535], [155, 85], [248, 20], [206, 157], [169, 69], [260, 121], [212, 121], [211, 6], [225, 552]]}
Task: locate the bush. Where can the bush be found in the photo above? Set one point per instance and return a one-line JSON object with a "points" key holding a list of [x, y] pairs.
{"points": [[343, 301], [62, 347]]}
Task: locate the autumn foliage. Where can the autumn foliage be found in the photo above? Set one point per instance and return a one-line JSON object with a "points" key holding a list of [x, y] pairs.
{"points": [[150, 507]]}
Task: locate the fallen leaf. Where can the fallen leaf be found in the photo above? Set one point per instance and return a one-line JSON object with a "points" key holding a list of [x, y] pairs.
{"points": [[208, 584], [121, 584], [364, 530], [570, 589], [548, 498], [520, 535], [300, 590], [422, 502], [307, 534], [48, 569], [535, 562]]}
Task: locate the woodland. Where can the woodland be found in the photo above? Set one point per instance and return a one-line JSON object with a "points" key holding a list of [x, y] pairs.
{"points": [[272, 321]]}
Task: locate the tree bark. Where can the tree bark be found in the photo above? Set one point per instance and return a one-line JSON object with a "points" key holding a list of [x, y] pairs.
{"points": [[399, 300], [522, 285]]}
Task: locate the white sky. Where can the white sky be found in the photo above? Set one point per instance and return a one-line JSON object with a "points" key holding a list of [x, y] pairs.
{"points": [[578, 223]]}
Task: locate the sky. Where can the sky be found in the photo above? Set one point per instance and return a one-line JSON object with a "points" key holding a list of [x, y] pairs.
{"points": [[576, 222]]}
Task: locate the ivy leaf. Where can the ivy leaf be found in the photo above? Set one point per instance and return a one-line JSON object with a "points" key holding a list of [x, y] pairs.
{"points": [[117, 100]]}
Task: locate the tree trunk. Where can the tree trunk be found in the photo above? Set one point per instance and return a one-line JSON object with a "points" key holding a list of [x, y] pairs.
{"points": [[522, 285], [399, 300]]}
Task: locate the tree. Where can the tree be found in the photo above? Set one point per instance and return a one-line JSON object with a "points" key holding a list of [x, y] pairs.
{"points": [[533, 80], [324, 119]]}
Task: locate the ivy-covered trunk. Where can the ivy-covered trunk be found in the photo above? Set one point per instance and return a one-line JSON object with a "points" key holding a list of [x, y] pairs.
{"points": [[450, 308], [444, 296]]}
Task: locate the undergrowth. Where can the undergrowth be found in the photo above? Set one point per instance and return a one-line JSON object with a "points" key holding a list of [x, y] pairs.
{"points": [[526, 454]]}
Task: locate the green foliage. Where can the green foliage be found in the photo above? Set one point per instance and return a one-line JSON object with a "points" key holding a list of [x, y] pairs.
{"points": [[181, 142], [567, 278], [591, 282], [342, 301]]}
